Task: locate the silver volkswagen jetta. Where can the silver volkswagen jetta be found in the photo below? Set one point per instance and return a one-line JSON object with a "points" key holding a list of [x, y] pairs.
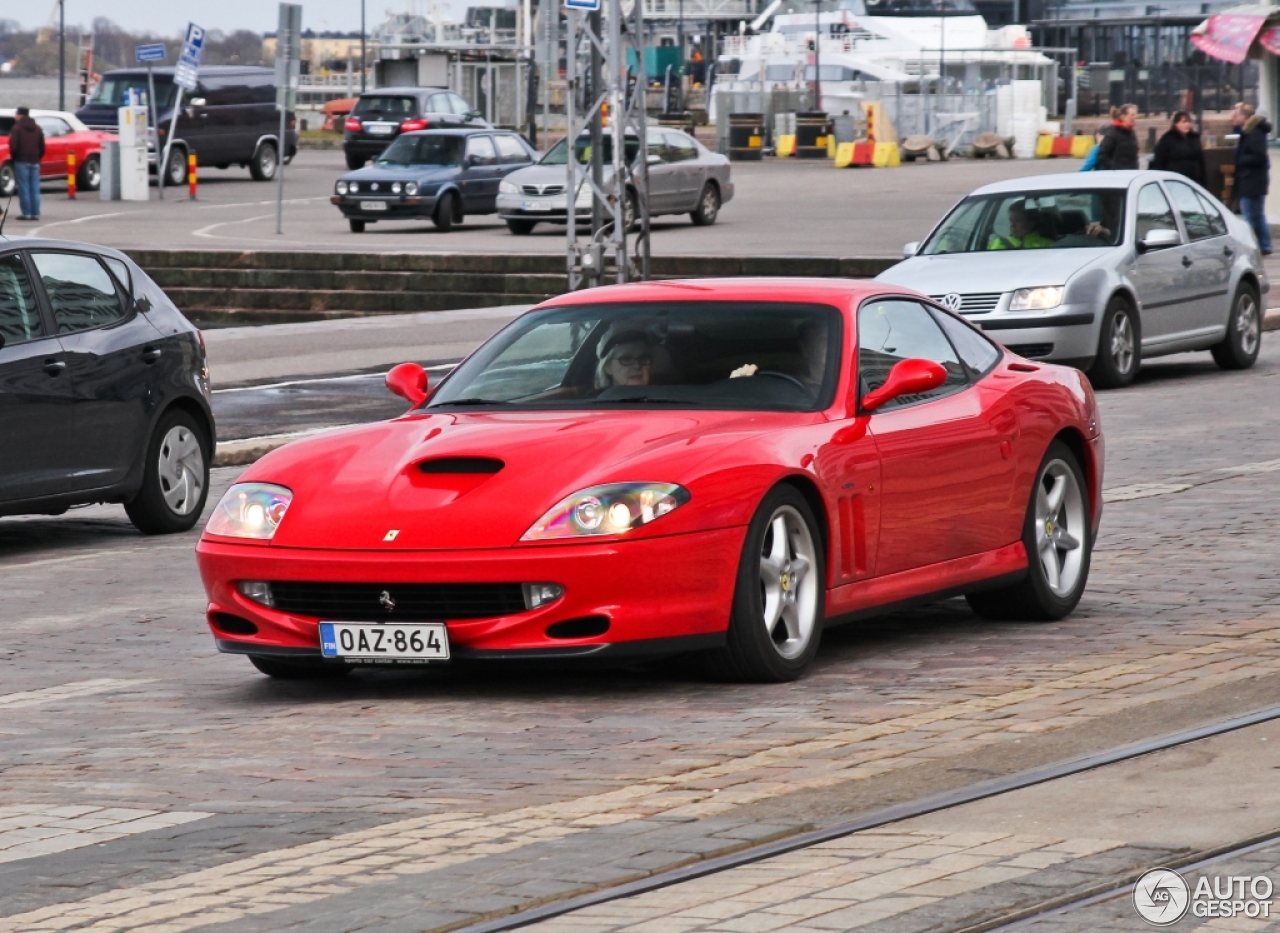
{"points": [[1097, 270]]}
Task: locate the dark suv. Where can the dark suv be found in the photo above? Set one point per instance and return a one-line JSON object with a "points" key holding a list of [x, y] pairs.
{"points": [[382, 115], [230, 118], [104, 391]]}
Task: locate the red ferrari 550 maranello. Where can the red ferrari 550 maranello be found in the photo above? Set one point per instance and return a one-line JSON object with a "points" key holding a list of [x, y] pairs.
{"points": [[716, 466]]}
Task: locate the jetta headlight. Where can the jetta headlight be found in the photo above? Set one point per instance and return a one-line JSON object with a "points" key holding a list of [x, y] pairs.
{"points": [[340, 187], [611, 509], [411, 188], [508, 187], [395, 187], [1036, 299], [250, 510]]}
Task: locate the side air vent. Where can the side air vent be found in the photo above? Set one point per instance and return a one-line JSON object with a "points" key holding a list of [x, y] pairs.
{"points": [[234, 625], [585, 627], [454, 465]]}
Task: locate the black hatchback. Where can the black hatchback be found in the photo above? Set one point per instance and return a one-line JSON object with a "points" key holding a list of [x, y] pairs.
{"points": [[380, 116], [104, 388]]}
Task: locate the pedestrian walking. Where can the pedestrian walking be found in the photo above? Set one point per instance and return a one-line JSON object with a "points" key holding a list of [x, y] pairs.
{"points": [[1253, 174], [1091, 160], [1179, 150], [1119, 147], [26, 148]]}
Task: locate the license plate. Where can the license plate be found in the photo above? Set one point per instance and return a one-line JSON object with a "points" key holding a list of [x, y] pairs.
{"points": [[373, 205], [537, 205], [392, 641], [379, 129]]}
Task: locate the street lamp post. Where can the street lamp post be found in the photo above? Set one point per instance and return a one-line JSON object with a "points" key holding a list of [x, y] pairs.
{"points": [[364, 55], [62, 55], [817, 55], [680, 46]]}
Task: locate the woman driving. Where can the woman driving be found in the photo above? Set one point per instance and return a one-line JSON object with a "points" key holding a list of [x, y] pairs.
{"points": [[626, 359]]}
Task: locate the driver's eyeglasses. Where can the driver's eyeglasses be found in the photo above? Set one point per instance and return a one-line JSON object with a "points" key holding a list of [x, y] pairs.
{"points": [[630, 361]]}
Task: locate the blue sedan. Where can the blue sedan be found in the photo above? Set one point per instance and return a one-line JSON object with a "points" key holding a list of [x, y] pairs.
{"points": [[443, 174]]}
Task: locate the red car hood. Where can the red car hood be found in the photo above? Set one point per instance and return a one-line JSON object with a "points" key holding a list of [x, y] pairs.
{"points": [[352, 487]]}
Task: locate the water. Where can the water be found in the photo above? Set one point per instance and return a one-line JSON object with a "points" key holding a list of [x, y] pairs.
{"points": [[36, 93]]}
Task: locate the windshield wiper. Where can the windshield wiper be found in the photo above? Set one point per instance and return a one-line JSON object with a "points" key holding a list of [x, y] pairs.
{"points": [[470, 401], [641, 398]]}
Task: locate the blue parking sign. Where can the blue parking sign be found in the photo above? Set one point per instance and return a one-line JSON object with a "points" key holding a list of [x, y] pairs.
{"points": [[184, 75], [589, 5], [150, 53]]}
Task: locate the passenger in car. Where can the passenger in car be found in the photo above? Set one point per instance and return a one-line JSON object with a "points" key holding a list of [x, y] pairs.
{"points": [[626, 359], [1022, 231]]}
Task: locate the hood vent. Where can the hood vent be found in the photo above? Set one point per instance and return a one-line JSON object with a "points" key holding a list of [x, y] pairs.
{"points": [[485, 466]]}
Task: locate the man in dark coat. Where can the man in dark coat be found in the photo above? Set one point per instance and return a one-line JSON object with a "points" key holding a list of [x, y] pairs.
{"points": [[1119, 147], [1179, 150], [26, 148], [1253, 171]]}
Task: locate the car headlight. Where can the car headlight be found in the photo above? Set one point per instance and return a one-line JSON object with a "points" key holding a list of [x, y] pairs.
{"points": [[611, 509], [250, 510], [508, 187], [1036, 299], [395, 187], [411, 188], [340, 187]]}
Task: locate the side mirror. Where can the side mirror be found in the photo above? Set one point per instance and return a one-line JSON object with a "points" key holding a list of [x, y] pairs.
{"points": [[472, 160], [652, 159], [910, 249], [1158, 239], [409, 381], [909, 377], [198, 102]]}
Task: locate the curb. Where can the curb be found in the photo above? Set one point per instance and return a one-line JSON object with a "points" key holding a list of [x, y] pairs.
{"points": [[246, 450], [1271, 320]]}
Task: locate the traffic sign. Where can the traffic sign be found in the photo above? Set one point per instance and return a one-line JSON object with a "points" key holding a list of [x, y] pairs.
{"points": [[288, 54], [588, 5], [150, 53], [185, 74]]}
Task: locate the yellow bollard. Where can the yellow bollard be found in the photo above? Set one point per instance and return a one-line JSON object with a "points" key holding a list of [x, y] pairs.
{"points": [[844, 155], [830, 143], [886, 156], [1080, 146], [786, 146], [1044, 146]]}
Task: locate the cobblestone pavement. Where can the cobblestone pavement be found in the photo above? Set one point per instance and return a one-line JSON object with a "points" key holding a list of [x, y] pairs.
{"points": [[420, 801]]}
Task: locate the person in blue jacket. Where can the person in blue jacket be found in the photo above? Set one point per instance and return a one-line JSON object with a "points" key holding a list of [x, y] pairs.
{"points": [[1091, 160]]}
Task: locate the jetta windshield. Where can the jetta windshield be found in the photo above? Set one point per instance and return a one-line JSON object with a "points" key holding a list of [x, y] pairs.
{"points": [[706, 355], [1031, 220]]}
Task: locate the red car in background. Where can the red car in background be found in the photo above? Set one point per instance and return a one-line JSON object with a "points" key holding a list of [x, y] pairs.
{"points": [[63, 134], [719, 466]]}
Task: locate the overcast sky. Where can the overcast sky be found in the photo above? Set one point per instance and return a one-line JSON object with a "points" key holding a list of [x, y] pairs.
{"points": [[167, 17]]}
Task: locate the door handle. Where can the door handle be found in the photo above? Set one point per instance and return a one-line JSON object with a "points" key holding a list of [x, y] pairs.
{"points": [[1228, 251], [151, 354], [54, 367], [1186, 262]]}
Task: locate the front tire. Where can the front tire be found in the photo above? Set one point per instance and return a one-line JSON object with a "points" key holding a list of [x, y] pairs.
{"points": [[1058, 544], [298, 670], [778, 603], [447, 213], [357, 226], [355, 161], [89, 178], [175, 479], [176, 168], [708, 209], [521, 227], [1239, 349], [1119, 347], [8, 180], [265, 162]]}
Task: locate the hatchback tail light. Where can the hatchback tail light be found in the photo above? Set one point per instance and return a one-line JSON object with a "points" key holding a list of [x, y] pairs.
{"points": [[353, 124], [417, 123]]}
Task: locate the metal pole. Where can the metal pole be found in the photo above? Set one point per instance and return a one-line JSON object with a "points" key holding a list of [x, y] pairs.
{"points": [[680, 49], [280, 174], [817, 55], [155, 118], [571, 155], [62, 55], [597, 134], [162, 165], [364, 54]]}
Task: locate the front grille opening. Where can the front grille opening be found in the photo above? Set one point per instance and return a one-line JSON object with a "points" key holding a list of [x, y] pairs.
{"points": [[1032, 351], [416, 602], [232, 625], [482, 465], [585, 627]]}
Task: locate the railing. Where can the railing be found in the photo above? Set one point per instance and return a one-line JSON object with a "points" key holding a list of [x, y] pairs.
{"points": [[700, 9]]}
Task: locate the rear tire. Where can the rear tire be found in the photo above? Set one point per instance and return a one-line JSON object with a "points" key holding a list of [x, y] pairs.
{"points": [[521, 227], [89, 178], [708, 209], [1119, 347], [265, 162], [175, 479], [355, 161], [357, 226], [298, 670], [8, 180], [1059, 547], [176, 168], [1239, 349], [778, 604], [447, 213]]}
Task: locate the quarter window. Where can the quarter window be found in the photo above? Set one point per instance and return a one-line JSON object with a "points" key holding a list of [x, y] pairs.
{"points": [[1192, 210], [892, 330], [682, 148], [1217, 225], [976, 352], [82, 293], [482, 148], [19, 319], [1154, 212], [53, 126], [511, 150]]}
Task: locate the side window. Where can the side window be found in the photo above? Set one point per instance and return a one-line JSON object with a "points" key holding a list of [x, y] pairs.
{"points": [[511, 150], [262, 88], [19, 319], [1217, 225], [460, 106], [682, 148], [891, 330], [121, 272], [53, 126], [1154, 212], [657, 143], [82, 293], [977, 353], [1192, 210], [437, 103], [482, 148]]}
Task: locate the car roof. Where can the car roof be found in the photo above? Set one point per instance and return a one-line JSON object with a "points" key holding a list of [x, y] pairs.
{"points": [[403, 91], [13, 240], [1068, 180], [459, 131], [840, 292], [60, 114], [166, 71]]}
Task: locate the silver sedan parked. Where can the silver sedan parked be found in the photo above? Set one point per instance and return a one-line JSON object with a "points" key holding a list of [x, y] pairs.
{"points": [[684, 178], [1097, 270]]}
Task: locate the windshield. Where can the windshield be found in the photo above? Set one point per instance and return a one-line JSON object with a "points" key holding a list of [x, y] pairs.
{"points": [[386, 106], [556, 155], [423, 150], [111, 91], [658, 355], [1031, 220]]}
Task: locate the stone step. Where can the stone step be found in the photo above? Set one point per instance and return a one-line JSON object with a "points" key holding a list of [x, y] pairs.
{"points": [[389, 282], [323, 301]]}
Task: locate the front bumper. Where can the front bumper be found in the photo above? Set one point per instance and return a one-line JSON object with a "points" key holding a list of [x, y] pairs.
{"points": [[1065, 333], [650, 591], [398, 207]]}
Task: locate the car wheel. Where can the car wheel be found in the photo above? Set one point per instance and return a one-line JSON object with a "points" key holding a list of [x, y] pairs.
{"points": [[776, 620], [175, 478], [357, 226], [1056, 537], [1239, 349], [1119, 347], [8, 180], [708, 209], [355, 161], [89, 178], [265, 163], [298, 670], [176, 169], [447, 213], [521, 227], [630, 213]]}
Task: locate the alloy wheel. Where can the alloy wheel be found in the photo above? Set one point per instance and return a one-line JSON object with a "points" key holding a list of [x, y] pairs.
{"points": [[1247, 324], [181, 470], [710, 204], [1060, 527], [267, 161], [788, 583], [92, 174], [1122, 343]]}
